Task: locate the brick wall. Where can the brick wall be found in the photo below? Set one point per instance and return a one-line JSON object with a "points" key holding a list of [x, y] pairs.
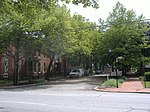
{"points": [[43, 60], [10, 67]]}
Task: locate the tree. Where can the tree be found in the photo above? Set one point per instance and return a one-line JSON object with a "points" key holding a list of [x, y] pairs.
{"points": [[29, 17], [17, 21], [82, 37], [124, 36], [55, 39], [21, 23]]}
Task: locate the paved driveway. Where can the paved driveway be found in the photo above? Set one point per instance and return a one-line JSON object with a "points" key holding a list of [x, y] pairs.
{"points": [[85, 83], [70, 85], [73, 84]]}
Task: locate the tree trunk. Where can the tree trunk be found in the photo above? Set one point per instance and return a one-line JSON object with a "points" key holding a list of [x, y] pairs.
{"points": [[64, 66], [16, 63], [142, 69], [49, 71], [123, 70]]}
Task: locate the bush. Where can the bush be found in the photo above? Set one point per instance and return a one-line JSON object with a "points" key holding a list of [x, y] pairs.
{"points": [[110, 83], [147, 76], [141, 78], [121, 80], [124, 78], [5, 82]]}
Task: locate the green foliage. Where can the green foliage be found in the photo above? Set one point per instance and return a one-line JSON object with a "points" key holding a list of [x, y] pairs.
{"points": [[147, 76], [45, 26], [34, 16], [147, 84], [38, 81], [86, 3], [82, 38], [123, 35], [5, 82], [110, 83], [123, 78], [113, 83], [146, 60]]}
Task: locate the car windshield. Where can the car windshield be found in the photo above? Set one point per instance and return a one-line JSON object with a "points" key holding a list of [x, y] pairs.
{"points": [[75, 70]]}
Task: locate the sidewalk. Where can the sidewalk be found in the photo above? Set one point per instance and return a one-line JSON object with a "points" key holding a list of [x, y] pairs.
{"points": [[132, 85]]}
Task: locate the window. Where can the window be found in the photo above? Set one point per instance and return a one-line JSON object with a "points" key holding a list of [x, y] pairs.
{"points": [[39, 67], [34, 66], [44, 67], [30, 66], [5, 64]]}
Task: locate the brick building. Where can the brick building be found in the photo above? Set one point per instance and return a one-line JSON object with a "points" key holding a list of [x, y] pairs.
{"points": [[6, 66], [34, 66]]}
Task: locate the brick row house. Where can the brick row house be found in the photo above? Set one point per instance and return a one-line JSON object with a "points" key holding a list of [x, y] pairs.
{"points": [[35, 65], [6, 66]]}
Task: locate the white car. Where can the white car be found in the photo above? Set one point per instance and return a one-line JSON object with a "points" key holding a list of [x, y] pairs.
{"points": [[75, 73]]}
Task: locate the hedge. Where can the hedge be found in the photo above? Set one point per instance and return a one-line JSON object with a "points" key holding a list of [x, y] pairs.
{"points": [[147, 76]]}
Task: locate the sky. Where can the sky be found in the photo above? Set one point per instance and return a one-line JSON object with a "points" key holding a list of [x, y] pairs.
{"points": [[106, 6]]}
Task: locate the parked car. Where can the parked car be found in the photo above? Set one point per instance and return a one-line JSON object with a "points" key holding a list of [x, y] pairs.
{"points": [[75, 73]]}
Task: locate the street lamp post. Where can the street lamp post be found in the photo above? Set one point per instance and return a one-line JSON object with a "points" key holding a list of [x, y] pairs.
{"points": [[116, 72], [143, 71], [145, 81], [115, 69]]}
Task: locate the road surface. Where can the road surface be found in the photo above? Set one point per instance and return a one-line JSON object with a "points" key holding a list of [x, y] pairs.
{"points": [[71, 97]]}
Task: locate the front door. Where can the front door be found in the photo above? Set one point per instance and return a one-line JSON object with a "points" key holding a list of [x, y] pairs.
{"points": [[5, 67]]}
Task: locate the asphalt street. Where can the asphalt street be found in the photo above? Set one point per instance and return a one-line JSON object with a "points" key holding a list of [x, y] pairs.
{"points": [[76, 96]]}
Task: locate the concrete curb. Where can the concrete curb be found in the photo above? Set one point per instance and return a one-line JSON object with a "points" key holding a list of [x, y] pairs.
{"points": [[96, 89], [20, 86], [29, 85]]}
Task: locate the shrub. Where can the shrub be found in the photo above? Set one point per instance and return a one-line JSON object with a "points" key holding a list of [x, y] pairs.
{"points": [[141, 78], [124, 78], [5, 81], [110, 83], [147, 76], [121, 80]]}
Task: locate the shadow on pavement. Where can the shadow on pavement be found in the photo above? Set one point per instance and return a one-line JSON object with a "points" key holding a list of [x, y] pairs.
{"points": [[89, 80]]}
